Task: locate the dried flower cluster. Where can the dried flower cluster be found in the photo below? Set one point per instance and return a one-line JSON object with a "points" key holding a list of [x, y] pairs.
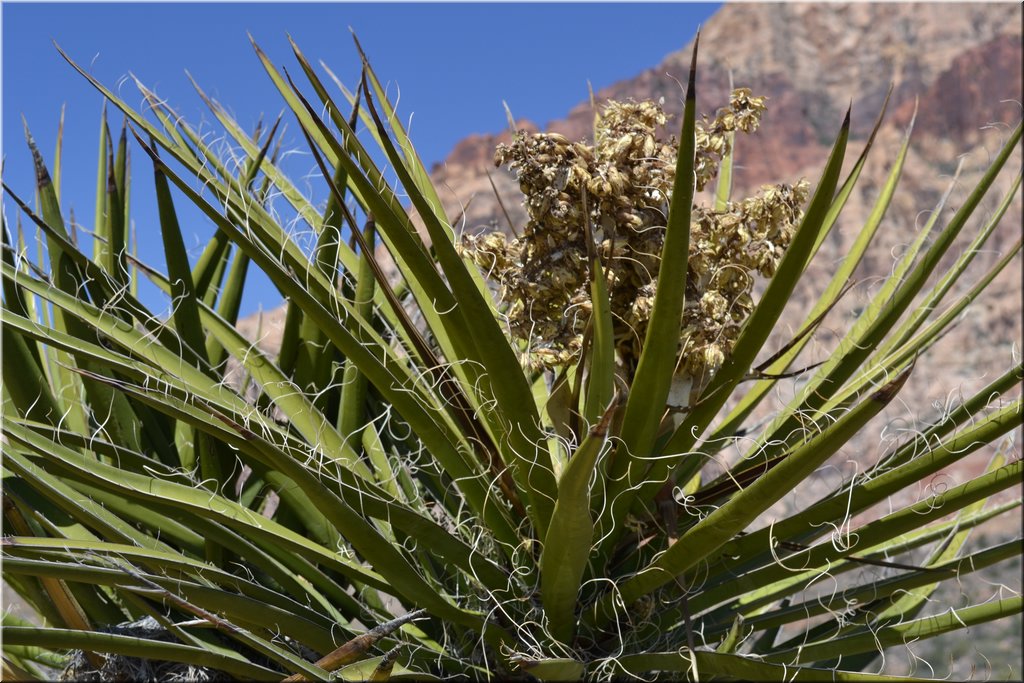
{"points": [[622, 185]]}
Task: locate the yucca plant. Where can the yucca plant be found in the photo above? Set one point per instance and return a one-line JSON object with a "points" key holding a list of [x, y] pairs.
{"points": [[478, 457]]}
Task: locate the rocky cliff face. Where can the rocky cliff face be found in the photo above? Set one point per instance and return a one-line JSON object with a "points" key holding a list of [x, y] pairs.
{"points": [[963, 62]]}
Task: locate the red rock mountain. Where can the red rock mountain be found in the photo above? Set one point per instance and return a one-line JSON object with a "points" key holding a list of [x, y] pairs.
{"points": [[963, 62]]}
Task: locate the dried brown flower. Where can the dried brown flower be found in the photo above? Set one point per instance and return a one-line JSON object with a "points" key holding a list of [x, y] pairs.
{"points": [[626, 179]]}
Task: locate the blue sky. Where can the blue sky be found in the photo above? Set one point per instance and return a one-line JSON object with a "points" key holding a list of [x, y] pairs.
{"points": [[454, 64]]}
